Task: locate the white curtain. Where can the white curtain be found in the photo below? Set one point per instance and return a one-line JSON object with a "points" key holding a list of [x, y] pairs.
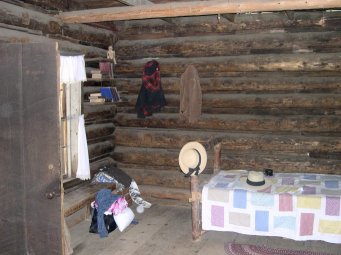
{"points": [[72, 69], [83, 167], [72, 73]]}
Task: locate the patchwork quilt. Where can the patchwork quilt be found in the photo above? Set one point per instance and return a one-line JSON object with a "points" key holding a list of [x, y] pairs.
{"points": [[296, 205]]}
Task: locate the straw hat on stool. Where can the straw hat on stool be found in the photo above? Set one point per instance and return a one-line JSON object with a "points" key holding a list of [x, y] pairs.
{"points": [[192, 158]]}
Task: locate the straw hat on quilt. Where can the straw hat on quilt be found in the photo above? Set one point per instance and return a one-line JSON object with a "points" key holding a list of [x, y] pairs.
{"points": [[255, 181], [192, 158]]}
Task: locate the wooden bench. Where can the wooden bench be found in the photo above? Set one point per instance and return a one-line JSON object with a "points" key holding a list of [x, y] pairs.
{"points": [[79, 198]]}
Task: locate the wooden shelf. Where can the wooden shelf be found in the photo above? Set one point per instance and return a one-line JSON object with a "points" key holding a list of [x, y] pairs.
{"points": [[99, 60], [99, 80]]}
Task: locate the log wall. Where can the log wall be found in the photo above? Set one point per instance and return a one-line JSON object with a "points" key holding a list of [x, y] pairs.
{"points": [[23, 22], [271, 87], [27, 24]]}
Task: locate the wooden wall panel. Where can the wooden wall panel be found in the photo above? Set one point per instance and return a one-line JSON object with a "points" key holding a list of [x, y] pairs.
{"points": [[12, 192], [30, 185], [271, 89]]}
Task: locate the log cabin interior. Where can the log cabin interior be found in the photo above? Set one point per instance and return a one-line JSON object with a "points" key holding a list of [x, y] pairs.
{"points": [[270, 76]]}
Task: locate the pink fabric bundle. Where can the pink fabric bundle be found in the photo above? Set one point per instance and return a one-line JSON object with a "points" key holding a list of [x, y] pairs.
{"points": [[105, 67], [118, 206]]}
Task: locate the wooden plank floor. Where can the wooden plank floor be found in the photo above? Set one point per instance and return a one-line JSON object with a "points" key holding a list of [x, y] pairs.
{"points": [[166, 229]]}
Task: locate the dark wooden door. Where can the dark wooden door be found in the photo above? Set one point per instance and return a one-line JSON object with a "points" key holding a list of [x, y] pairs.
{"points": [[30, 212]]}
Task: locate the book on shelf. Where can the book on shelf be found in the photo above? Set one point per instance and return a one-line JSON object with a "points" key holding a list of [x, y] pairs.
{"points": [[96, 76], [96, 94], [110, 94], [97, 100], [95, 71], [94, 97]]}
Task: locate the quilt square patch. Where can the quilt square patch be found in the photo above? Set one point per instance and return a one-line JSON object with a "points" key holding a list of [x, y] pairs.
{"points": [[217, 216], [262, 221], [239, 198], [307, 224]]}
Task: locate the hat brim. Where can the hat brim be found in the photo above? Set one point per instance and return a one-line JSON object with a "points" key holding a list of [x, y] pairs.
{"points": [[203, 155], [245, 185]]}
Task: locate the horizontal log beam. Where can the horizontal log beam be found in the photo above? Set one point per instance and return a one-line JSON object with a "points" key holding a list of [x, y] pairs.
{"points": [[228, 65], [281, 162], [270, 104], [154, 158], [147, 156], [243, 23], [99, 149], [234, 122], [225, 45], [254, 111], [243, 141], [99, 130], [50, 26], [139, 3], [160, 192], [13, 36], [48, 4], [97, 112], [272, 83], [96, 165], [261, 101], [195, 8], [162, 178]]}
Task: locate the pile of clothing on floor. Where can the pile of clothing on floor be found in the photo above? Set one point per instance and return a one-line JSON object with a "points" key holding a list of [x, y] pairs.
{"points": [[108, 205]]}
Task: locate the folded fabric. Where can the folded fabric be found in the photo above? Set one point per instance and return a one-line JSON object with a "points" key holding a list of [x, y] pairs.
{"points": [[118, 206], [124, 218]]}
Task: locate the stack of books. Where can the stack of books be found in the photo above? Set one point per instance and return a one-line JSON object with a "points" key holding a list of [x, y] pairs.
{"points": [[96, 98], [105, 70], [96, 74], [110, 94]]}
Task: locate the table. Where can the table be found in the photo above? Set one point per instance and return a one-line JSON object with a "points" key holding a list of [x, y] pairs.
{"points": [[298, 206]]}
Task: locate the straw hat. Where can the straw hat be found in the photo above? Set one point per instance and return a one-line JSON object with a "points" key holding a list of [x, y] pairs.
{"points": [[255, 181], [192, 158]]}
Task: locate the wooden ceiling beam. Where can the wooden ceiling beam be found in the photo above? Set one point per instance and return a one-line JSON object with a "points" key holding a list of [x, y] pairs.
{"points": [[135, 2], [142, 2], [229, 16], [195, 8]]}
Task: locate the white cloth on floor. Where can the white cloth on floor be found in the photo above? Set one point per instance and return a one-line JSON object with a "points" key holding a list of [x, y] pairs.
{"points": [[83, 167], [72, 69], [135, 195]]}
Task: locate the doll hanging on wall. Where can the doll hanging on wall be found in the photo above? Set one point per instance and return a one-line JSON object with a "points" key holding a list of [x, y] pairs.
{"points": [[111, 54], [151, 97]]}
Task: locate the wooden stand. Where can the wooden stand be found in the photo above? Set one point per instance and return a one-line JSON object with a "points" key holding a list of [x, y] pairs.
{"points": [[195, 200], [196, 193], [217, 155]]}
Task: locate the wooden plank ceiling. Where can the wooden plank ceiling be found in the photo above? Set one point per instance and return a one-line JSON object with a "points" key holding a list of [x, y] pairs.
{"points": [[146, 10]]}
